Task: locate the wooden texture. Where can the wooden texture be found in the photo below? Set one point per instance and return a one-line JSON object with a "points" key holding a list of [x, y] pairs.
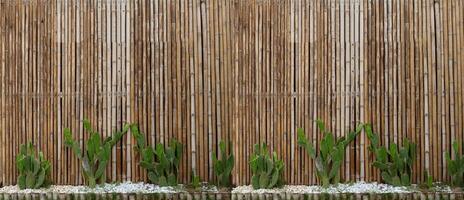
{"points": [[244, 71]]}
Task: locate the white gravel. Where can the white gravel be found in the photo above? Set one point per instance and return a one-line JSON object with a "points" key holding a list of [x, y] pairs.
{"points": [[129, 187], [359, 187], [126, 187]]}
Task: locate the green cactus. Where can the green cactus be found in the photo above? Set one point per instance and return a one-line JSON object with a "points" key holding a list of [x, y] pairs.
{"points": [[428, 181], [33, 173], [195, 183], [456, 166], [329, 158], [267, 170], [395, 163], [97, 155], [161, 163], [223, 167]]}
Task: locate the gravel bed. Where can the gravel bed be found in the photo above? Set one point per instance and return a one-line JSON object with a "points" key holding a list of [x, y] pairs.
{"points": [[129, 187], [126, 187], [359, 187]]}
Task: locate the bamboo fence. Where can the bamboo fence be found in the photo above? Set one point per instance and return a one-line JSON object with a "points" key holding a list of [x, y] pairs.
{"points": [[244, 71]]}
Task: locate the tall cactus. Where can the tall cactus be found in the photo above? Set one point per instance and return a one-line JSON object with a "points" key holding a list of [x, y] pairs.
{"points": [[330, 156], [223, 167], [162, 163], [97, 155], [456, 166], [267, 170], [395, 163], [33, 173]]}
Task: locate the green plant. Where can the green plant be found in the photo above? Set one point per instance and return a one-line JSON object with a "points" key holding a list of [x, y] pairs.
{"points": [[33, 173], [330, 156], [97, 153], [267, 170], [161, 163], [223, 167], [195, 184], [395, 163], [456, 166], [428, 181]]}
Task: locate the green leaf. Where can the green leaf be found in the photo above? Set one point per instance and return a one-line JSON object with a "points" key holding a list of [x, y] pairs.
{"points": [[70, 143], [40, 179], [152, 177], [172, 180], [327, 145], [396, 181], [30, 180], [87, 126], [162, 181], [380, 165], [255, 181], [274, 179], [263, 180], [303, 142], [101, 169], [386, 177], [335, 169], [405, 181], [320, 125], [22, 182], [230, 164]]}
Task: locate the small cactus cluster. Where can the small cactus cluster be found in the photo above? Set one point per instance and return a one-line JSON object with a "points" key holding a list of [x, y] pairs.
{"points": [[395, 163], [267, 170], [162, 163], [330, 156], [97, 155], [33, 172], [456, 166], [223, 166]]}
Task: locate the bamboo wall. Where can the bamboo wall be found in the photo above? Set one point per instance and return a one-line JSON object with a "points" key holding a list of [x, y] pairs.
{"points": [[246, 71]]}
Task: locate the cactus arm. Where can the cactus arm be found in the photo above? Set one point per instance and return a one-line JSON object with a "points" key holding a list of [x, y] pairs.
{"points": [[217, 165], [335, 169], [327, 144], [320, 125], [40, 179], [22, 182], [230, 162], [140, 140], [70, 143], [274, 179], [101, 169], [303, 142], [255, 181], [352, 135], [86, 167], [118, 135]]}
